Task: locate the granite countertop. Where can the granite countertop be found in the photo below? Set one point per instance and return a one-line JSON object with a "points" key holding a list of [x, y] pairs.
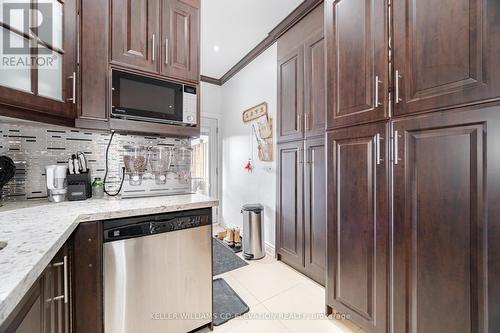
{"points": [[34, 234]]}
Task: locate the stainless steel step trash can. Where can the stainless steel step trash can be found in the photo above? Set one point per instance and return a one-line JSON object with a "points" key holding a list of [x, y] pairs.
{"points": [[253, 231]]}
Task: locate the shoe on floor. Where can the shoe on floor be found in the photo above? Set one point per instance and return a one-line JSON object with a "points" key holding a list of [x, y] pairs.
{"points": [[229, 239]]}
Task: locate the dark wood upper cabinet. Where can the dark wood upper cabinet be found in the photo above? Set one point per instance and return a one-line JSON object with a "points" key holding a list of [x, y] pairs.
{"points": [[358, 224], [181, 39], [290, 208], [446, 223], [357, 61], [315, 210], [315, 85], [47, 92], [159, 36], [445, 54], [135, 33], [94, 63], [291, 96]]}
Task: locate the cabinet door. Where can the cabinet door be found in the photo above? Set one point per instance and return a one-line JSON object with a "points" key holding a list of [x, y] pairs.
{"points": [[32, 322], [181, 39], [445, 53], [57, 293], [357, 61], [290, 204], [88, 278], [315, 210], [27, 316], [291, 96], [358, 224], [447, 223], [315, 85], [46, 83], [135, 33], [94, 61]]}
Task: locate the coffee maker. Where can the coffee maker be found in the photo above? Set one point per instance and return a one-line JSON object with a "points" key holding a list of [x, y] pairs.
{"points": [[56, 182]]}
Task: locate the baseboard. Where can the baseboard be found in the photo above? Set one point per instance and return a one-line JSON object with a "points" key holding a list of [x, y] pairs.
{"points": [[270, 250]]}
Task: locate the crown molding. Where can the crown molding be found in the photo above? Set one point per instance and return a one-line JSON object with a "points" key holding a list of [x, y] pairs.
{"points": [[211, 80], [295, 16]]}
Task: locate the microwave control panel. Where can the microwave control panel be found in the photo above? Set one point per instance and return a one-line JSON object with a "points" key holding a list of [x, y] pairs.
{"points": [[190, 101]]}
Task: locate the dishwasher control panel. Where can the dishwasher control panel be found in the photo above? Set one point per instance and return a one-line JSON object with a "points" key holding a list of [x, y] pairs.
{"points": [[120, 229], [177, 224]]}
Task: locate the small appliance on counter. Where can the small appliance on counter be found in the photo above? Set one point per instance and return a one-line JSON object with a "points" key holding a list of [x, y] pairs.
{"points": [[7, 172], [155, 171], [56, 182], [79, 186], [161, 163], [79, 180], [135, 160]]}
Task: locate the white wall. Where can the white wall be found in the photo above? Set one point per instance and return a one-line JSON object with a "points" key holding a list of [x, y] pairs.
{"points": [[255, 84], [211, 100]]}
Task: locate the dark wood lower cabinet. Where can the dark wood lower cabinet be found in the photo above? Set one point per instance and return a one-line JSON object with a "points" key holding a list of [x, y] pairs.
{"points": [[301, 221], [358, 224], [57, 293], [315, 210], [88, 281], [447, 223], [46, 308], [290, 221], [28, 315]]}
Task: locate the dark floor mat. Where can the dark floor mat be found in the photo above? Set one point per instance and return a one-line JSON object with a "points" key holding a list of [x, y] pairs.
{"points": [[227, 304], [234, 248], [224, 260]]}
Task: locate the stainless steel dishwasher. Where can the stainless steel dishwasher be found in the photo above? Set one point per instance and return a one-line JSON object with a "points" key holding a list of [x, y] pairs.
{"points": [[158, 273]]}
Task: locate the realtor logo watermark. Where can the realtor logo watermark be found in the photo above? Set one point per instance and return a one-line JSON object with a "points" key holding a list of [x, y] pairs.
{"points": [[27, 35]]}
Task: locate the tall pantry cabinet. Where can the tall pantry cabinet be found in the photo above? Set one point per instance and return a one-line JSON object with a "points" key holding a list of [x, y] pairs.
{"points": [[301, 195], [413, 165]]}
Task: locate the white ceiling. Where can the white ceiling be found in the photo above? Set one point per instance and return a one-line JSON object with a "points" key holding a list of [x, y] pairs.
{"points": [[236, 27]]}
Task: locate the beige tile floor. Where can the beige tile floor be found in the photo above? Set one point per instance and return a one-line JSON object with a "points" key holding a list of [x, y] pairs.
{"points": [[281, 300]]}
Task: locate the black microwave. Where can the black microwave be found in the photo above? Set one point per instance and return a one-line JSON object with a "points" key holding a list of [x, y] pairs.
{"points": [[145, 98]]}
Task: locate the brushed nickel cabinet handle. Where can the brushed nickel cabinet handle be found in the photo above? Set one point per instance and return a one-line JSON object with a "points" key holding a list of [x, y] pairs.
{"points": [[73, 78], [378, 138], [65, 279], [166, 51], [398, 77], [64, 263], [299, 123], [396, 147], [377, 83], [154, 48]]}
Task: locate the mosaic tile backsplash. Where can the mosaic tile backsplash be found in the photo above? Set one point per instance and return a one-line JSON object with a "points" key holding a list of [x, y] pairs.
{"points": [[33, 146]]}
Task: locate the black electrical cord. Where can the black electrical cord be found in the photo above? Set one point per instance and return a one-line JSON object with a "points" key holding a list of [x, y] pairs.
{"points": [[106, 174]]}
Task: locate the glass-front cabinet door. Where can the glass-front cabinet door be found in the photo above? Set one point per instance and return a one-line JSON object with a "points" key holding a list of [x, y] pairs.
{"points": [[38, 65]]}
